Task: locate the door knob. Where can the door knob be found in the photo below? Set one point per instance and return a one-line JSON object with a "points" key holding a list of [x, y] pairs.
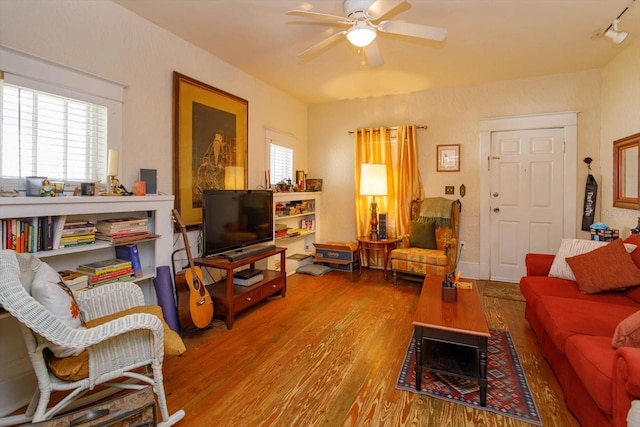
{"points": [[495, 194], [496, 210]]}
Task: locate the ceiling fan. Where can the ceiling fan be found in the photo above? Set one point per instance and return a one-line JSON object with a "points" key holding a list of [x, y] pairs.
{"points": [[363, 18]]}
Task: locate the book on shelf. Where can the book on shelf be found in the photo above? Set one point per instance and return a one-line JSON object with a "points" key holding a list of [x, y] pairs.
{"points": [[74, 279], [130, 253], [104, 281], [58, 226], [308, 224], [99, 278], [108, 225], [105, 266], [128, 238], [249, 281]]}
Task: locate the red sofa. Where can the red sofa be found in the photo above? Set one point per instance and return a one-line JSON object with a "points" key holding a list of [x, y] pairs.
{"points": [[575, 331]]}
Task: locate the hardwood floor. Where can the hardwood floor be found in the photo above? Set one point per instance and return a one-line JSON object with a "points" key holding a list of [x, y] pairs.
{"points": [[329, 354]]}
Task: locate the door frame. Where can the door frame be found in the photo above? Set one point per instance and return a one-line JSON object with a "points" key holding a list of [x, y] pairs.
{"points": [[566, 120]]}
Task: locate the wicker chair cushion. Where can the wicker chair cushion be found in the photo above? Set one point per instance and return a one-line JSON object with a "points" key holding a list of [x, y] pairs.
{"points": [[57, 298], [77, 367]]}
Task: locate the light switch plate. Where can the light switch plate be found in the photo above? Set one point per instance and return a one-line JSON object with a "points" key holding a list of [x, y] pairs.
{"points": [[449, 189]]}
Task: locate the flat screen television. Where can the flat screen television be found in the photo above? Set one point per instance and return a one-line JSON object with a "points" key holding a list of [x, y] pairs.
{"points": [[234, 219]]}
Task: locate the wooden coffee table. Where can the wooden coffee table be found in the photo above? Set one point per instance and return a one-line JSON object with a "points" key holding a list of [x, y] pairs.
{"points": [[451, 337]]}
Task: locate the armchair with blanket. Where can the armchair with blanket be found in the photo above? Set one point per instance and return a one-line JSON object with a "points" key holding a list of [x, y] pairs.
{"points": [[431, 247]]}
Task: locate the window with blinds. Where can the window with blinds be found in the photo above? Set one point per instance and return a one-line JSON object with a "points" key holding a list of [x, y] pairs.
{"points": [[281, 163], [49, 135]]}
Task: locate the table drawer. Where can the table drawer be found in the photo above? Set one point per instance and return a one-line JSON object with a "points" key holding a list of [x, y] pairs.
{"points": [[246, 299], [272, 288]]}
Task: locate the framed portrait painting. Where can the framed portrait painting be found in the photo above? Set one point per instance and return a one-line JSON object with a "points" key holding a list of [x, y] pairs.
{"points": [[210, 144], [448, 158]]}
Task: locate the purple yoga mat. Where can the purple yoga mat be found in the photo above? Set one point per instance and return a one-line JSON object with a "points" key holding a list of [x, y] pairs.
{"points": [[166, 300]]}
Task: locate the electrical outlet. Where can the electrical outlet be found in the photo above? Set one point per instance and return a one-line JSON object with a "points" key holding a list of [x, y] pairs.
{"points": [[449, 189]]}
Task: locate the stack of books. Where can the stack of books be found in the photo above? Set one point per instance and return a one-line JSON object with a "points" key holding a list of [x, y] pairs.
{"points": [[281, 230], [77, 233], [107, 271], [123, 230], [74, 279]]}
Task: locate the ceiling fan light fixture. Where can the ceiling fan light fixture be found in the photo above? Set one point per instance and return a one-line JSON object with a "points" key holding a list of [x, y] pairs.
{"points": [[361, 35], [616, 36]]}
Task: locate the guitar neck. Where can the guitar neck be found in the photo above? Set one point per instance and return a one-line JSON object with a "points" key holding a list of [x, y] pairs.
{"points": [[185, 237]]}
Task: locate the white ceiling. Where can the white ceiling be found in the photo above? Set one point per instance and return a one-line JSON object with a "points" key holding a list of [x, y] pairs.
{"points": [[488, 40]]}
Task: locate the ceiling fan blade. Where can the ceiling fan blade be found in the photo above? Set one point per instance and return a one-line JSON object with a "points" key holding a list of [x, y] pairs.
{"points": [[317, 15], [413, 30], [380, 8], [324, 43], [374, 57]]}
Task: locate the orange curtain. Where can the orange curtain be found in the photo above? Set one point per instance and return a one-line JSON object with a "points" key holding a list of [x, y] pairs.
{"points": [[409, 183], [374, 145]]}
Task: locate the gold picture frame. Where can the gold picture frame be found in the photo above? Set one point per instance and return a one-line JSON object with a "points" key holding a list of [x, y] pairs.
{"points": [[448, 158], [210, 144]]}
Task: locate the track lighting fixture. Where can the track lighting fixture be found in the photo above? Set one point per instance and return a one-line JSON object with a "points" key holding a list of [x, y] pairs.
{"points": [[616, 36], [612, 32]]}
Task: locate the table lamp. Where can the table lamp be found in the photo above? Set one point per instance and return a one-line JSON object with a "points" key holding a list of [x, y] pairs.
{"points": [[373, 182], [113, 160]]}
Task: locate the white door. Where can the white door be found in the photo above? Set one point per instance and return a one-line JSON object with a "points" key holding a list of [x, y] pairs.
{"points": [[526, 199]]}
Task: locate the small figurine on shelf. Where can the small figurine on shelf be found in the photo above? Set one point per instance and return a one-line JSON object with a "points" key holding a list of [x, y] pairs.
{"points": [[47, 189], [637, 229]]}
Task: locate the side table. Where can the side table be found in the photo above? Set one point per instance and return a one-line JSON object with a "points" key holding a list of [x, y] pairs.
{"points": [[385, 245]]}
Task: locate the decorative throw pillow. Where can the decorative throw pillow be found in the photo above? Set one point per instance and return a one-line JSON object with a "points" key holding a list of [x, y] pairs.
{"points": [[573, 247], [77, 368], [603, 269], [423, 234], [634, 239], [57, 298], [627, 333]]}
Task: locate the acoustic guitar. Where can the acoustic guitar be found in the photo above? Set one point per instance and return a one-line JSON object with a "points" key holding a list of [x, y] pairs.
{"points": [[198, 311]]}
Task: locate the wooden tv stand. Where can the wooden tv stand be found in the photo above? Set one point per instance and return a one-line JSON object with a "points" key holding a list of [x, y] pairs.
{"points": [[229, 299]]}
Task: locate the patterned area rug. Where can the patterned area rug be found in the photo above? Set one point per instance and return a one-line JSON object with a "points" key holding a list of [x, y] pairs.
{"points": [[508, 392]]}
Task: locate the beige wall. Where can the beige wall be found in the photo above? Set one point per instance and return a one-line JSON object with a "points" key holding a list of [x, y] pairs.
{"points": [[620, 118], [453, 116], [102, 38]]}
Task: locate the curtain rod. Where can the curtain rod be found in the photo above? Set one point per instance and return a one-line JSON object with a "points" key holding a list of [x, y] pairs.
{"points": [[351, 132]]}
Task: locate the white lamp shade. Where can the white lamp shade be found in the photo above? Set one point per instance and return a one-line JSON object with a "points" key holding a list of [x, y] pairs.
{"points": [[234, 177], [113, 160], [361, 34], [373, 179]]}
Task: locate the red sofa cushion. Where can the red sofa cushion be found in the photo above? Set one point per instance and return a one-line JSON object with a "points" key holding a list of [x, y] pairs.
{"points": [[635, 255], [607, 268], [563, 317], [594, 360], [535, 287]]}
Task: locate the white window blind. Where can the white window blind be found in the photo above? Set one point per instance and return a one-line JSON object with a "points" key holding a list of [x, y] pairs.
{"points": [[55, 121], [281, 163], [280, 155], [48, 135]]}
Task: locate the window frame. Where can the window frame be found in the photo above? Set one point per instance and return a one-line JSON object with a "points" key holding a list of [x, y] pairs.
{"points": [[283, 140], [36, 73]]}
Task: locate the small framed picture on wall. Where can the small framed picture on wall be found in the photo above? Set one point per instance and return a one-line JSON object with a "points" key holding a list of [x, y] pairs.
{"points": [[448, 158]]}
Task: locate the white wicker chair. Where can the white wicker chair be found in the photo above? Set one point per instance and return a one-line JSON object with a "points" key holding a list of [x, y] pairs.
{"points": [[115, 348]]}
